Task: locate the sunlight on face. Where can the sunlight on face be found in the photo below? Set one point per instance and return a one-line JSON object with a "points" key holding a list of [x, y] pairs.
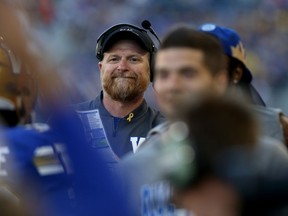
{"points": [[125, 71], [181, 75]]}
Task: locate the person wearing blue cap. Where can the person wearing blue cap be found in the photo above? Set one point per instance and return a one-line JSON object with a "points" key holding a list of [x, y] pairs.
{"points": [[239, 74], [274, 122]]}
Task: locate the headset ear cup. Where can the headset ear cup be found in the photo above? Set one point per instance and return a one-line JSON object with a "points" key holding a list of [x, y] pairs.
{"points": [[98, 53], [99, 47]]}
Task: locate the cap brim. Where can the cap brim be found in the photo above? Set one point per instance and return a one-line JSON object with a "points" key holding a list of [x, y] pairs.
{"points": [[247, 75]]}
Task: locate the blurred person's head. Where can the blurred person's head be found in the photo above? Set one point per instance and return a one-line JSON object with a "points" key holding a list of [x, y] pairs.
{"points": [[240, 76], [125, 53], [17, 88], [10, 204], [188, 64], [216, 124], [217, 128], [222, 163]]}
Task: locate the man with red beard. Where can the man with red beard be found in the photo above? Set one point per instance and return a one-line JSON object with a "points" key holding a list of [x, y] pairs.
{"points": [[125, 53]]}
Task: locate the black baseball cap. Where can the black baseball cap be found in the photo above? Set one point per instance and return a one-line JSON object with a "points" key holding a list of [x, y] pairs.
{"points": [[121, 32]]}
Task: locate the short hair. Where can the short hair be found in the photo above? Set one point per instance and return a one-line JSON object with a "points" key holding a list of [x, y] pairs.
{"points": [[187, 37]]}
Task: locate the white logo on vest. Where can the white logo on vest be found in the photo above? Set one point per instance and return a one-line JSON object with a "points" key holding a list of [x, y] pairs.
{"points": [[136, 142]]}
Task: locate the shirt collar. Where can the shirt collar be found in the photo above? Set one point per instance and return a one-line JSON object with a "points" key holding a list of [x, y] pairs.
{"points": [[136, 113]]}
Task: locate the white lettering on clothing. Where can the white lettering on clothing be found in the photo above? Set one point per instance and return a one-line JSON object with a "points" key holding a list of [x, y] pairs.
{"points": [[3, 151], [136, 142]]}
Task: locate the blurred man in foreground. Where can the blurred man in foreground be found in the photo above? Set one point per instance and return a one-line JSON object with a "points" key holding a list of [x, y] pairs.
{"points": [[189, 65]]}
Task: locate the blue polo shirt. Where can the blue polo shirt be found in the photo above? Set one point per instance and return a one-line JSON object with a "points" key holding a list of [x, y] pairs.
{"points": [[124, 134]]}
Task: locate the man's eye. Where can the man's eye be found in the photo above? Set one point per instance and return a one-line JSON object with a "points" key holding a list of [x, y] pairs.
{"points": [[189, 73], [161, 74], [113, 59], [134, 59]]}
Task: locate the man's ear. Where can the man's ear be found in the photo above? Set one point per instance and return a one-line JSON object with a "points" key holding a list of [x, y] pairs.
{"points": [[100, 66], [237, 75]]}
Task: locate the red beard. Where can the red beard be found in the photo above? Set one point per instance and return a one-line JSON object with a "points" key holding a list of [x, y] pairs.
{"points": [[125, 87]]}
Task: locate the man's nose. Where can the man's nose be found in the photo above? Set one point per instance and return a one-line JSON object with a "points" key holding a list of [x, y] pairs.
{"points": [[123, 65], [173, 81]]}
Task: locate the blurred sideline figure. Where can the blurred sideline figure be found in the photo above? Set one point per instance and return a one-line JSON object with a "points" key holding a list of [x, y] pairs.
{"points": [[17, 98], [218, 168], [48, 169], [189, 65]]}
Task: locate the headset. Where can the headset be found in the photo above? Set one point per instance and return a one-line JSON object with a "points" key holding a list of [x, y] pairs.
{"points": [[134, 31]]}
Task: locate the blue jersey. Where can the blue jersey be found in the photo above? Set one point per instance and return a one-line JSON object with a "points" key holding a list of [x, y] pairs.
{"points": [[34, 164], [55, 168]]}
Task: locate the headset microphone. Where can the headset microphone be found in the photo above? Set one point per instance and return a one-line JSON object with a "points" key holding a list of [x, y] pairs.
{"points": [[147, 25]]}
